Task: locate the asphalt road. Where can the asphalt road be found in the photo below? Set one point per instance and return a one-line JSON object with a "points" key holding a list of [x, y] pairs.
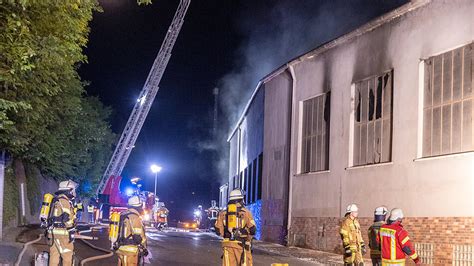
{"points": [[183, 249]]}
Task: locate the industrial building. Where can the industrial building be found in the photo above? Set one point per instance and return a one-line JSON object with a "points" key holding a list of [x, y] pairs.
{"points": [[380, 116]]}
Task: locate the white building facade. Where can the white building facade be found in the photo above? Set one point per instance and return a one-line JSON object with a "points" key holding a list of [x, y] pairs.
{"points": [[384, 116]]}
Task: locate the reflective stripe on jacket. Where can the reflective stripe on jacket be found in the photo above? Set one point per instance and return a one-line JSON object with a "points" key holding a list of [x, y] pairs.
{"points": [[350, 233], [395, 244]]}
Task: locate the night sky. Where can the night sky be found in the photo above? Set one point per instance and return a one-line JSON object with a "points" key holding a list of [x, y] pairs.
{"points": [[229, 44]]}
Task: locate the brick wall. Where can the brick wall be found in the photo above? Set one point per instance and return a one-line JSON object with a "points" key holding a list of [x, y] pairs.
{"points": [[322, 233]]}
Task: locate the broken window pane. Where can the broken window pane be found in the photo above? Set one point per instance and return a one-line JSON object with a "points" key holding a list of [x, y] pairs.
{"points": [[378, 113], [327, 107], [372, 136], [364, 101], [371, 100], [447, 70], [358, 97], [387, 96]]}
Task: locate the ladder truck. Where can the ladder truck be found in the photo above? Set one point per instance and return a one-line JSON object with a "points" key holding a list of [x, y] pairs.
{"points": [[108, 191]]}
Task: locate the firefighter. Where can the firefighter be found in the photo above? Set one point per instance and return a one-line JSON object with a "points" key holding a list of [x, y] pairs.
{"points": [[212, 213], [80, 209], [352, 241], [161, 216], [380, 214], [394, 241], [62, 224], [90, 212], [131, 244], [237, 226]]}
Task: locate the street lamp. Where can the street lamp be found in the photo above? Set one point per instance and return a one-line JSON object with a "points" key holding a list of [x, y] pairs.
{"points": [[155, 169]]}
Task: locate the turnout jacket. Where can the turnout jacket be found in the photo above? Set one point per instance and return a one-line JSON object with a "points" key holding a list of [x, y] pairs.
{"points": [[396, 244], [350, 233], [132, 229], [246, 224]]}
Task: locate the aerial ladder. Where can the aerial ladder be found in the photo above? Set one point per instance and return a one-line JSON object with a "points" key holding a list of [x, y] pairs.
{"points": [[108, 191]]}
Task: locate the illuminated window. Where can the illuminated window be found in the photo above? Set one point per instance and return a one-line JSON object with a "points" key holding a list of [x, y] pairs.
{"points": [[315, 139], [372, 136], [448, 103]]}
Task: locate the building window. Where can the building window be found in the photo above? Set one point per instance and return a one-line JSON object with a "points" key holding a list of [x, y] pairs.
{"points": [[315, 139], [448, 103], [373, 103]]}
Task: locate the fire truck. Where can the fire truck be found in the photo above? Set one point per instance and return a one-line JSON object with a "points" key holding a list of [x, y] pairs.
{"points": [[108, 192]]}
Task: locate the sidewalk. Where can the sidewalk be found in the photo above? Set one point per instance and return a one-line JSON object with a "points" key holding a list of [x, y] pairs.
{"points": [[12, 244], [320, 257]]}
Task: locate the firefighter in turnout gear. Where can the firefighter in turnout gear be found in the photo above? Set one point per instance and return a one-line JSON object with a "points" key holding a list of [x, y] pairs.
{"points": [[237, 226], [380, 214], [61, 225], [131, 244], [352, 241], [394, 241]]}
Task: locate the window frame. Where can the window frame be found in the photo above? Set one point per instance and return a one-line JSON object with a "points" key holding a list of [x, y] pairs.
{"points": [[378, 103], [322, 145], [426, 80]]}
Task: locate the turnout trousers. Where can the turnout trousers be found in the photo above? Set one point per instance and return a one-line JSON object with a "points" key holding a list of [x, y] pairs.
{"points": [[61, 249], [127, 258], [233, 256]]}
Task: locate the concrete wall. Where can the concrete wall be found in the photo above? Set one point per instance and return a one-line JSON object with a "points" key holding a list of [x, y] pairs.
{"points": [[276, 157], [442, 186]]}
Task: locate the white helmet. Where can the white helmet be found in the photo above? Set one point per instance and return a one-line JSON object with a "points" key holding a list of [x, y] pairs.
{"points": [[381, 210], [396, 214], [134, 201], [236, 194], [352, 208], [67, 185]]}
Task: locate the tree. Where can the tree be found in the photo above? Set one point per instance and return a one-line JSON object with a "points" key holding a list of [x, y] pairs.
{"points": [[45, 118]]}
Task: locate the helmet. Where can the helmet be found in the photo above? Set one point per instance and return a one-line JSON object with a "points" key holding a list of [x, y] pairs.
{"points": [[67, 185], [396, 214], [381, 210], [352, 208], [134, 201], [236, 194]]}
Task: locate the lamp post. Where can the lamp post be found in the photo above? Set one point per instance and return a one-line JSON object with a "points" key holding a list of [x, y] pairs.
{"points": [[155, 169]]}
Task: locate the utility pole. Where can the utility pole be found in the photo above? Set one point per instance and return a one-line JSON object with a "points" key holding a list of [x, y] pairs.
{"points": [[2, 185]]}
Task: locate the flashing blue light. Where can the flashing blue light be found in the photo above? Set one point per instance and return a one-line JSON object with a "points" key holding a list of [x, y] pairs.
{"points": [[129, 191]]}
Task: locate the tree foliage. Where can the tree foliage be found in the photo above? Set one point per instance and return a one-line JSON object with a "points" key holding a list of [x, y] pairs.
{"points": [[45, 119]]}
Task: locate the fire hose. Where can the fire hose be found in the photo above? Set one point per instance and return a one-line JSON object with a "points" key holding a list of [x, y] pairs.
{"points": [[98, 257], [83, 238], [18, 260]]}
